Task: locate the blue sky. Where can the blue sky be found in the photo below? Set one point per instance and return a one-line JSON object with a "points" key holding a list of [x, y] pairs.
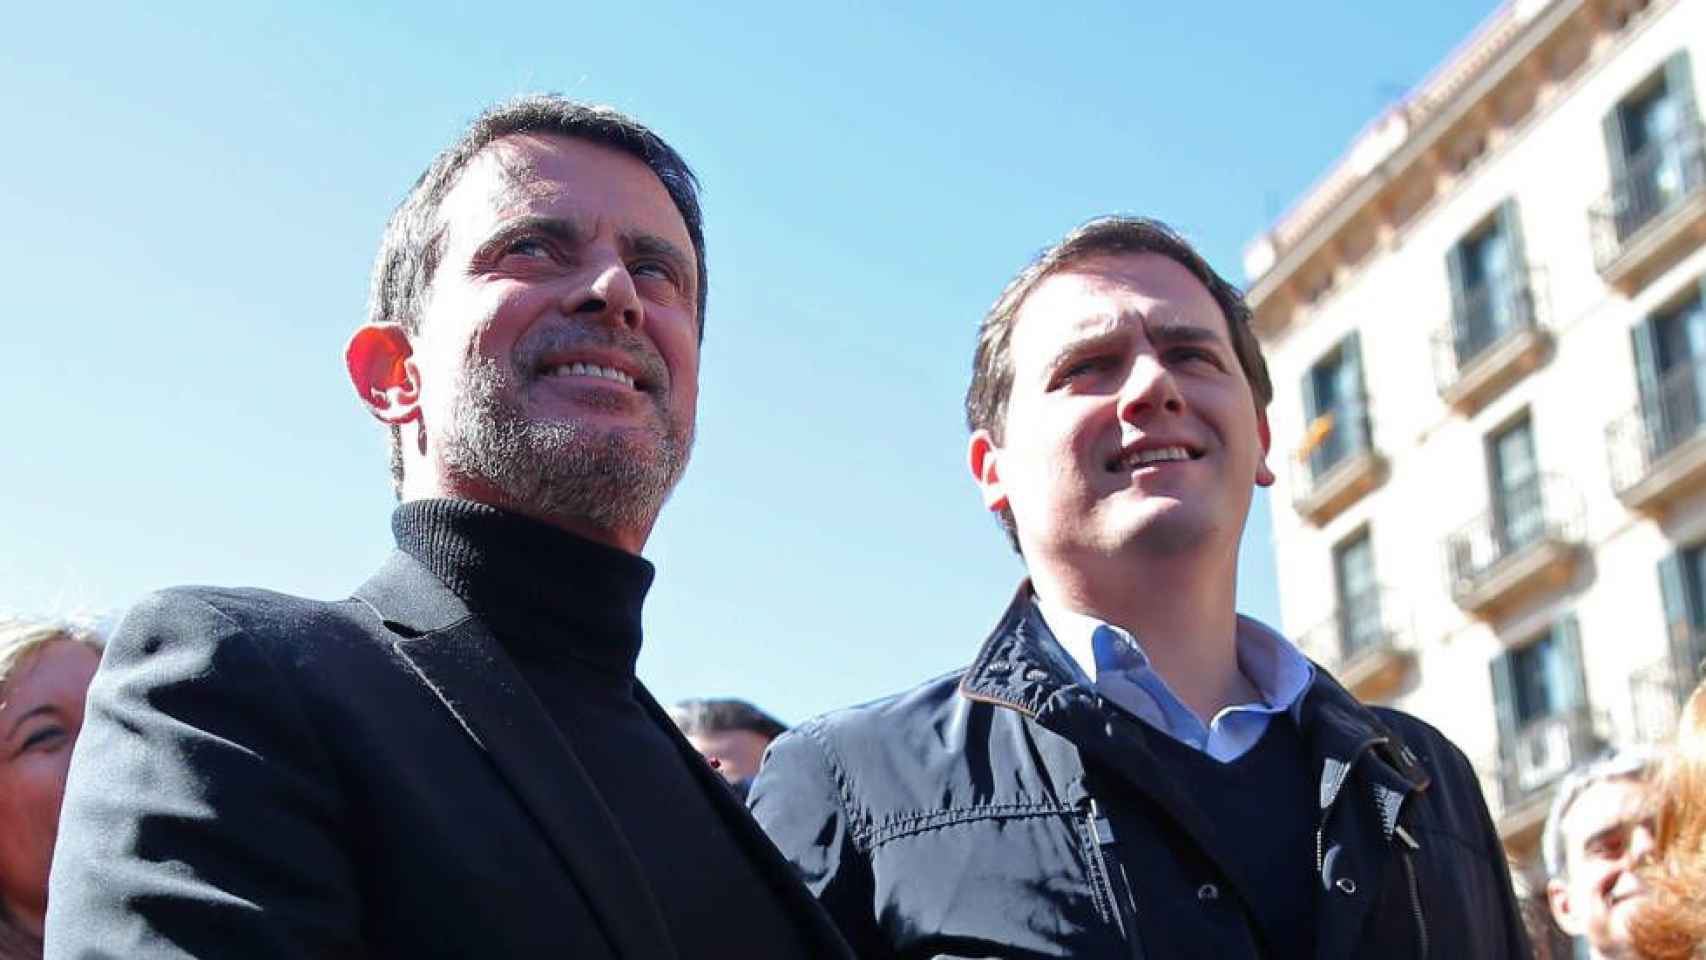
{"points": [[191, 202]]}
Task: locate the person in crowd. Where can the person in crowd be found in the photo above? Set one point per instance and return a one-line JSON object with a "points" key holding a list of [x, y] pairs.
{"points": [[1127, 767], [1599, 832], [456, 761], [45, 668], [1670, 924], [730, 733]]}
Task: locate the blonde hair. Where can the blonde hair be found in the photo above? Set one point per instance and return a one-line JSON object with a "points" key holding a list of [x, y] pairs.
{"points": [[1671, 925], [20, 641]]}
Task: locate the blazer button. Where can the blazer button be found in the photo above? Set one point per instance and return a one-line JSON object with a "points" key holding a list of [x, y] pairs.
{"points": [[1346, 885], [1207, 892]]}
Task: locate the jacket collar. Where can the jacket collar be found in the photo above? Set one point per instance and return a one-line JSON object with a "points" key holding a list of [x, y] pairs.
{"points": [[459, 660], [1016, 669]]}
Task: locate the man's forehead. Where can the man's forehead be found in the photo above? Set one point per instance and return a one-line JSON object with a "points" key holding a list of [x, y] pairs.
{"points": [[1605, 804], [536, 172], [1101, 295]]}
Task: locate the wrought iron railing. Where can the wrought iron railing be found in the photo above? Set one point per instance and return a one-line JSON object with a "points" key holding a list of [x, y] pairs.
{"points": [[1661, 176], [1544, 750], [1547, 508], [1364, 624], [1672, 412], [1484, 318], [1334, 438]]}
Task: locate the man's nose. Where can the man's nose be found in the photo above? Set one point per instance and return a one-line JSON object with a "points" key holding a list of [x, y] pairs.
{"points": [[1149, 389], [609, 293], [1642, 843]]}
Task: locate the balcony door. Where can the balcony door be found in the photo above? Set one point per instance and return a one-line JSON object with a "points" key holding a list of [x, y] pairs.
{"points": [[1653, 137], [1670, 352], [1359, 598], [1682, 581], [1487, 283], [1334, 408], [1541, 695], [1519, 516]]}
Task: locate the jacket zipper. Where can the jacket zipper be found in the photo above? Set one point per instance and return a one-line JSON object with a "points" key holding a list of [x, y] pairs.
{"points": [[1102, 840], [1333, 790], [1410, 847]]}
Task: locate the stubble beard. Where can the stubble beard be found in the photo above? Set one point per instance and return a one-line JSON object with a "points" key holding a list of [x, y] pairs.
{"points": [[608, 479]]}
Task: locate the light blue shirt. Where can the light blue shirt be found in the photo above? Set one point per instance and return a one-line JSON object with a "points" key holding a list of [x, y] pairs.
{"points": [[1112, 661]]}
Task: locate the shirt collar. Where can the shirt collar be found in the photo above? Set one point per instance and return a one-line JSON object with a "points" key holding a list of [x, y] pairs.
{"points": [[1272, 664]]}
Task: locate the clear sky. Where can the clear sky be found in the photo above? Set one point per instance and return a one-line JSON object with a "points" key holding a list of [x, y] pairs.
{"points": [[190, 201]]}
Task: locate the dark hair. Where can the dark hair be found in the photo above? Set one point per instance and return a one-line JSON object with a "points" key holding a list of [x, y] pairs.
{"points": [[414, 236], [992, 364], [719, 715]]}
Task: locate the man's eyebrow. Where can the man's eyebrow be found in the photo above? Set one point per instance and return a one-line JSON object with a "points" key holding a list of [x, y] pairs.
{"points": [[556, 228], [1175, 333], [1089, 343], [652, 245]]}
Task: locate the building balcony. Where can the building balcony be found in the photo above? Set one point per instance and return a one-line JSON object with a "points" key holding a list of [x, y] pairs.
{"points": [[1337, 464], [1531, 764], [1655, 211], [1658, 450], [1656, 695], [1495, 338], [1364, 645], [1529, 542]]}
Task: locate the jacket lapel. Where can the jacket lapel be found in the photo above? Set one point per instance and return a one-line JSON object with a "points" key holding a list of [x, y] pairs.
{"points": [[461, 662]]}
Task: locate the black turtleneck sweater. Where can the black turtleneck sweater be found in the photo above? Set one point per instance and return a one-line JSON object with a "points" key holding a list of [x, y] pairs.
{"points": [[567, 611]]}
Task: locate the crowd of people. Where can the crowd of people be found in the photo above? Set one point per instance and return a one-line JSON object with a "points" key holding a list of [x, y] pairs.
{"points": [[458, 759]]}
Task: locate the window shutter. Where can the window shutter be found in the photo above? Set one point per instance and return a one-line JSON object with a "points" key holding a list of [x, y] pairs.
{"points": [[1454, 275], [1682, 611], [1572, 679], [1645, 338], [1355, 406], [1504, 700], [1616, 153], [1673, 590], [1679, 86]]}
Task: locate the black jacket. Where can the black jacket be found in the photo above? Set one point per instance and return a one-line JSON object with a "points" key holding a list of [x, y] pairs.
{"points": [[263, 776], [1007, 811]]}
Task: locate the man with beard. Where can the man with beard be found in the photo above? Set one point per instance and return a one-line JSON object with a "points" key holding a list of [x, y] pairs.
{"points": [[457, 760]]}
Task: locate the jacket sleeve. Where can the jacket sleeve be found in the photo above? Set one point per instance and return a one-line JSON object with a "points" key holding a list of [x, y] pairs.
{"points": [[1507, 913], [200, 816], [799, 801]]}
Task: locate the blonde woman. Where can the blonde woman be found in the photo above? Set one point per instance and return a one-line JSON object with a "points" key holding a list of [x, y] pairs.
{"points": [[45, 669], [1672, 925]]}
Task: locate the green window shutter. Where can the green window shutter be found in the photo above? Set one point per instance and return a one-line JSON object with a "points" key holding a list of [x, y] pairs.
{"points": [[1354, 407], [1679, 85], [1572, 682], [1673, 590], [1510, 222], [1644, 336], [1454, 275], [1616, 153], [1504, 700]]}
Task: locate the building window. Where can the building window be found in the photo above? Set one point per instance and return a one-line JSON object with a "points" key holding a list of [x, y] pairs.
{"points": [[1360, 626], [1653, 142], [1670, 365], [1489, 284], [1336, 408], [1519, 515], [1541, 695], [1682, 584]]}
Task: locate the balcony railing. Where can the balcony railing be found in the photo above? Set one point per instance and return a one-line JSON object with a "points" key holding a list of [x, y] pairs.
{"points": [[1495, 336], [1658, 449], [1337, 462], [1365, 644], [1634, 219], [1543, 751], [1530, 537]]}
